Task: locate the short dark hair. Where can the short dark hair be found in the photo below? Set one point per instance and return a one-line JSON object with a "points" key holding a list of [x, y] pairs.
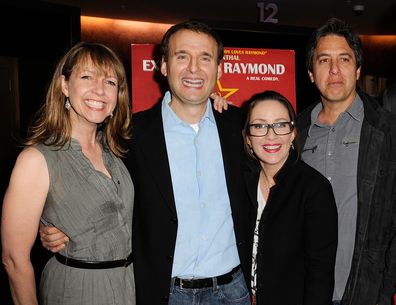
{"points": [[262, 97], [195, 26], [334, 26]]}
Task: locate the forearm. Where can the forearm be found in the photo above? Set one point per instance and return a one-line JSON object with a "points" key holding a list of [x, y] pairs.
{"points": [[318, 288], [321, 233], [22, 282]]}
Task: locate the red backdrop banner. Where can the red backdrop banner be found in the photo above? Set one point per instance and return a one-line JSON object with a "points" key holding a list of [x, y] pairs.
{"points": [[245, 71]]}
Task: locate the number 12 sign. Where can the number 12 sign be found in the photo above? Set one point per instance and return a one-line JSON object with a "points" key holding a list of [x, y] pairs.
{"points": [[267, 12]]}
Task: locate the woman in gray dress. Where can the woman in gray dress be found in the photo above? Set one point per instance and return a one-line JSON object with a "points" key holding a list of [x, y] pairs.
{"points": [[70, 176]]}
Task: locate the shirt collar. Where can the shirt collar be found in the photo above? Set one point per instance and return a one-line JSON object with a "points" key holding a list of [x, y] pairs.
{"points": [[171, 118], [75, 144], [355, 111]]}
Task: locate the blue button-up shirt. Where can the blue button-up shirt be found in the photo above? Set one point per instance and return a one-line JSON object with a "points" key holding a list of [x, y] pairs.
{"points": [[205, 243]]}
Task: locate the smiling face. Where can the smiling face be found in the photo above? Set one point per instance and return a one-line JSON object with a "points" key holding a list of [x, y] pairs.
{"points": [[271, 150], [92, 93], [191, 68], [334, 70]]}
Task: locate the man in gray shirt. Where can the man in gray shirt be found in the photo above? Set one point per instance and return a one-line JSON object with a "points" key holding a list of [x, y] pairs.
{"points": [[350, 140], [333, 150]]}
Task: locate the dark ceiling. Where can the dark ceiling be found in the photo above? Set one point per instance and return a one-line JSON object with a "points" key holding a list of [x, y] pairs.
{"points": [[366, 16]]}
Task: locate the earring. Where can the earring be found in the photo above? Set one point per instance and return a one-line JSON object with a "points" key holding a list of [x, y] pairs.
{"points": [[292, 145], [67, 103], [111, 115]]}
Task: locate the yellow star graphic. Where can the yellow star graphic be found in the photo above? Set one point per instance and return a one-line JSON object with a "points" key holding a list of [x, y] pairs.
{"points": [[221, 90]]}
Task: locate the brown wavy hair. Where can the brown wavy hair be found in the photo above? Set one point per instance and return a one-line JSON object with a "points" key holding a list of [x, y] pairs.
{"points": [[52, 125]]}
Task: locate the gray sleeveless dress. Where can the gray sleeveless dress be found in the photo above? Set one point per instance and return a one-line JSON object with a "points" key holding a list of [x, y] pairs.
{"points": [[95, 212]]}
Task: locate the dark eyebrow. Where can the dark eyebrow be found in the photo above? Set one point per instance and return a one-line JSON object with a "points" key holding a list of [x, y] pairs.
{"points": [[180, 52], [327, 54], [207, 54], [346, 54], [185, 52]]}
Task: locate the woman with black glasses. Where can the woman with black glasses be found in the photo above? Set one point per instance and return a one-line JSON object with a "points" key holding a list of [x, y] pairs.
{"points": [[295, 216]]}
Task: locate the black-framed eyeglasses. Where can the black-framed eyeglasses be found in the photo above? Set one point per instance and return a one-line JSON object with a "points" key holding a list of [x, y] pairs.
{"points": [[279, 128]]}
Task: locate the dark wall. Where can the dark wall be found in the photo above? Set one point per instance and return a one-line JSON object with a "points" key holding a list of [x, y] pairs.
{"points": [[36, 34]]}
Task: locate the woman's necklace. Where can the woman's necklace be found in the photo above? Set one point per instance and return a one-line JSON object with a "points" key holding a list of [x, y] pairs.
{"points": [[265, 183]]}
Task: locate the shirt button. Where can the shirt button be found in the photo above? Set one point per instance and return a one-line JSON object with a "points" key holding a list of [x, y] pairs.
{"points": [[329, 153], [198, 173]]}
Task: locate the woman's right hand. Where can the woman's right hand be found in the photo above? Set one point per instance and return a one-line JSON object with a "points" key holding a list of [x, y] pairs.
{"points": [[52, 238]]}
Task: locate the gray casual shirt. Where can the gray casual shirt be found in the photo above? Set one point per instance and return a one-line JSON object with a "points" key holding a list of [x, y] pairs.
{"points": [[333, 151]]}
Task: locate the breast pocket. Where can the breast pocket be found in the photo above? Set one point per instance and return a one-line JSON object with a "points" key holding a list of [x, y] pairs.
{"points": [[349, 152], [313, 154]]}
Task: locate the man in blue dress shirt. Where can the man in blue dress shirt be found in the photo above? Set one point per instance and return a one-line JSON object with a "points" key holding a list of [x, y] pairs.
{"points": [[190, 212]]}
